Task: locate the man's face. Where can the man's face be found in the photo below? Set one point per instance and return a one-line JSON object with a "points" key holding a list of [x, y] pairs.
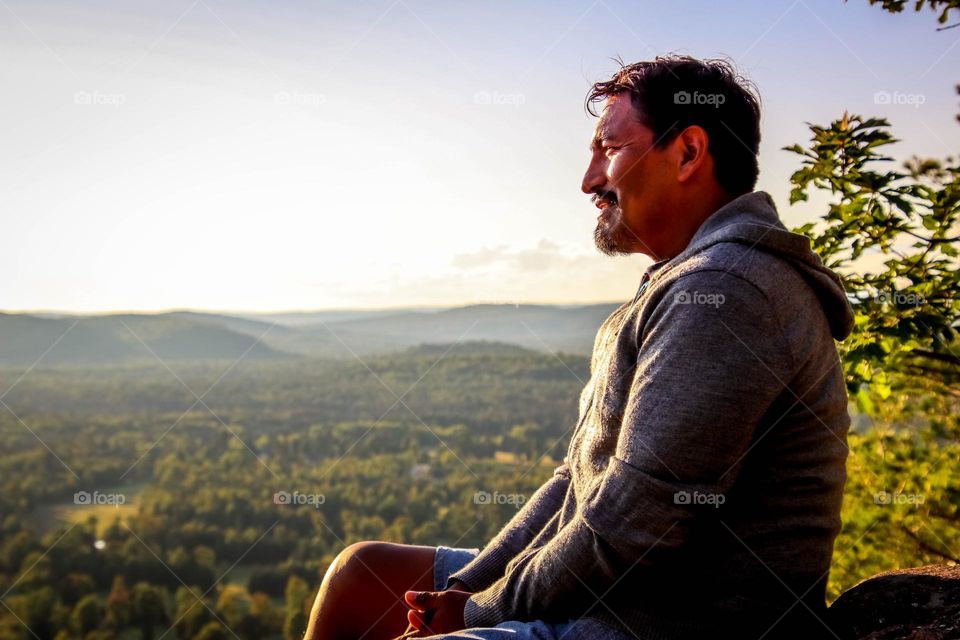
{"points": [[631, 182]]}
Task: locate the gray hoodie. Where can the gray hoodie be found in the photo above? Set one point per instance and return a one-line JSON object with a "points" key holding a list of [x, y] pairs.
{"points": [[702, 487]]}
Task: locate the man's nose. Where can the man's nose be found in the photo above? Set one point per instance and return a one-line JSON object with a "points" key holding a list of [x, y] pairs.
{"points": [[594, 178]]}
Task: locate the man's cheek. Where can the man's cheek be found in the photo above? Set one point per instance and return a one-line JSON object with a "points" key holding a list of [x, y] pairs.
{"points": [[613, 171]]}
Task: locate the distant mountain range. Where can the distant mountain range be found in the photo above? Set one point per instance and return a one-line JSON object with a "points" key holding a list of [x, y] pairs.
{"points": [[190, 335]]}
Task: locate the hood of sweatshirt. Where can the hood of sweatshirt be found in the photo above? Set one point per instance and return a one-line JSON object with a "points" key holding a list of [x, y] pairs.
{"points": [[752, 220]]}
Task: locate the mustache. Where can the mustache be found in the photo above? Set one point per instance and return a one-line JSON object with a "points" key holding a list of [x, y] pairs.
{"points": [[609, 196]]}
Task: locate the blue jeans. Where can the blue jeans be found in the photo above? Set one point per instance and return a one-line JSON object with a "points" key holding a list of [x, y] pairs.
{"points": [[450, 559]]}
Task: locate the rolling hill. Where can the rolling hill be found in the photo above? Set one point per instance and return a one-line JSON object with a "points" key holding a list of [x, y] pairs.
{"points": [[197, 336], [122, 338]]}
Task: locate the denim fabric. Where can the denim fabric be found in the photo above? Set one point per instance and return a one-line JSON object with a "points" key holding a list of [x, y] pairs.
{"points": [[451, 559], [448, 561]]}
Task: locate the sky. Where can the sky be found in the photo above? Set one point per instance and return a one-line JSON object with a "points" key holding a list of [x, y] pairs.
{"points": [[263, 155]]}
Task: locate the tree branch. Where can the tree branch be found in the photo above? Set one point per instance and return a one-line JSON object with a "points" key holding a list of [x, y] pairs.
{"points": [[932, 240], [926, 547], [948, 358]]}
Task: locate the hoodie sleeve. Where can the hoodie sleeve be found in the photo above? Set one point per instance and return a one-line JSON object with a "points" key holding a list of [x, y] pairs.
{"points": [[711, 361], [490, 564]]}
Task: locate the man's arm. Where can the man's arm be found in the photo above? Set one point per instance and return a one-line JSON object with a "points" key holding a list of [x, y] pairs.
{"points": [[490, 564], [704, 377]]}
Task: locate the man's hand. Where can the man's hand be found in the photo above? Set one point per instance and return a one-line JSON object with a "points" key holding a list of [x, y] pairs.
{"points": [[459, 586], [436, 612]]}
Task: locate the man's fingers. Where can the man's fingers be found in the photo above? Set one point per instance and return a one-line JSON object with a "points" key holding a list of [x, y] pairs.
{"points": [[415, 618], [423, 604], [420, 600], [419, 619]]}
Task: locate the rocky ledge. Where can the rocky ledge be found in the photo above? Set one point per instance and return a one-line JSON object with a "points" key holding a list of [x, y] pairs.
{"points": [[911, 604]]}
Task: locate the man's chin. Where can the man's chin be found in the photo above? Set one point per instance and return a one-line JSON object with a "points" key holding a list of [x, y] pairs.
{"points": [[606, 240]]}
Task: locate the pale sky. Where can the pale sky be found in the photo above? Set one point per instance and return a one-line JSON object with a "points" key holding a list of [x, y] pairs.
{"points": [[306, 155]]}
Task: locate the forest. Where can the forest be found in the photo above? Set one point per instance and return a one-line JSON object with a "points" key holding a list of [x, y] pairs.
{"points": [[153, 514]]}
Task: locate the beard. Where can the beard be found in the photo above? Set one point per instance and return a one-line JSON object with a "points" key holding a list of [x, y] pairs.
{"points": [[611, 236]]}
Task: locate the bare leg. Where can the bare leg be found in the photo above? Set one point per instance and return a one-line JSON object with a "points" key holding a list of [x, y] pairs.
{"points": [[361, 596]]}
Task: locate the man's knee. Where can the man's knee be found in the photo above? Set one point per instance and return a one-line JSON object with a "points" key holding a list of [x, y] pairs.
{"points": [[359, 563], [334, 612]]}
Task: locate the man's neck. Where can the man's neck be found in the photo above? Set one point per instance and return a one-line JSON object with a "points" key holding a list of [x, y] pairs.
{"points": [[698, 212]]}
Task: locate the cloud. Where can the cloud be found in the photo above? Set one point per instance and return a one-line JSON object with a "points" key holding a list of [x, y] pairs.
{"points": [[547, 254]]}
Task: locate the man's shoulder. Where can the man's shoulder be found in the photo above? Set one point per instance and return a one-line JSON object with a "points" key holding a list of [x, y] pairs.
{"points": [[736, 267], [759, 295]]}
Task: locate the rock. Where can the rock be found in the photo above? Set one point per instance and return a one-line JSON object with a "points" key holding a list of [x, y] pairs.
{"points": [[912, 604]]}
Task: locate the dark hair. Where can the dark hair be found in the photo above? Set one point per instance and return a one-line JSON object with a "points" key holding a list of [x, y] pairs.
{"points": [[671, 93]]}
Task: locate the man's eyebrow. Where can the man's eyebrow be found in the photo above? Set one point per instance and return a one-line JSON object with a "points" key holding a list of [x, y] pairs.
{"points": [[602, 134]]}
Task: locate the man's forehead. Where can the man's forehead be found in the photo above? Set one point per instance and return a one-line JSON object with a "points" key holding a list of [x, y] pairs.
{"points": [[616, 116]]}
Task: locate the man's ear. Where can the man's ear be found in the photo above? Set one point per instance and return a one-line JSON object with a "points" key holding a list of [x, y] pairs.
{"points": [[693, 150]]}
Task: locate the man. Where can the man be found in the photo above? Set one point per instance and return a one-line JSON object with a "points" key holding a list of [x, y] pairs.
{"points": [[700, 495]]}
